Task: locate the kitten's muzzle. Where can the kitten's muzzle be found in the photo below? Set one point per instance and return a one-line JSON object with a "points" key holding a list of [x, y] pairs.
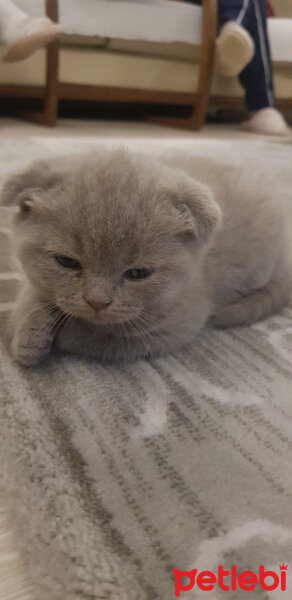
{"points": [[97, 306]]}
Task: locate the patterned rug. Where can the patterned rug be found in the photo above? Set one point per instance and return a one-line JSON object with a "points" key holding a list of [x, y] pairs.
{"points": [[115, 476]]}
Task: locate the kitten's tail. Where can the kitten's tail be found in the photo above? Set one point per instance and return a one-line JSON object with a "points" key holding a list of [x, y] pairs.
{"points": [[260, 304]]}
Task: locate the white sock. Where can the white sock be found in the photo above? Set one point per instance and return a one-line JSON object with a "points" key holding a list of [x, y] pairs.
{"points": [[267, 121], [27, 27], [234, 49], [10, 16]]}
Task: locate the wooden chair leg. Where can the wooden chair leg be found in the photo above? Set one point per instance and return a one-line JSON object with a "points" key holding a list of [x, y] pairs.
{"points": [[207, 53], [51, 96], [48, 115]]}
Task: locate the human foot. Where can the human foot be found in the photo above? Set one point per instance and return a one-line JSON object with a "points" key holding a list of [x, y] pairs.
{"points": [[234, 49], [28, 36], [268, 121]]}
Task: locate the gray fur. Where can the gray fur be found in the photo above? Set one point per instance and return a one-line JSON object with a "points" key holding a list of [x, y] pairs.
{"points": [[215, 240]]}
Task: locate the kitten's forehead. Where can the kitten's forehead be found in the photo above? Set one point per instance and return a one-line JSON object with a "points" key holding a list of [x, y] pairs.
{"points": [[118, 208], [115, 185]]}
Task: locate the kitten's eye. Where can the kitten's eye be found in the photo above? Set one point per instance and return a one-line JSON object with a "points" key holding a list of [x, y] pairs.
{"points": [[135, 274], [67, 262]]}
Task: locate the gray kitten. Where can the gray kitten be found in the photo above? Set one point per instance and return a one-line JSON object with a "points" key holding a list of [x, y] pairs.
{"points": [[126, 256]]}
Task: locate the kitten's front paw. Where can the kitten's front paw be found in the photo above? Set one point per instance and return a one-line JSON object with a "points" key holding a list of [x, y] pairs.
{"points": [[31, 345]]}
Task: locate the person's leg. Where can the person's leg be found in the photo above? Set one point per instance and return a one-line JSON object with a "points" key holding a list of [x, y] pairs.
{"points": [[244, 27], [257, 78], [235, 47], [22, 34], [9, 13]]}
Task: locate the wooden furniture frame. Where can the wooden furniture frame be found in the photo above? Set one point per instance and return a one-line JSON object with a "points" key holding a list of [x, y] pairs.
{"points": [[54, 91], [197, 100], [206, 61]]}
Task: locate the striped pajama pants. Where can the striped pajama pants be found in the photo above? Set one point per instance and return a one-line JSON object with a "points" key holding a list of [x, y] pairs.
{"points": [[256, 78]]}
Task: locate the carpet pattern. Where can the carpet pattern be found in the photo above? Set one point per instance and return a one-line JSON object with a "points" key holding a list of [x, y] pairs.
{"points": [[116, 475]]}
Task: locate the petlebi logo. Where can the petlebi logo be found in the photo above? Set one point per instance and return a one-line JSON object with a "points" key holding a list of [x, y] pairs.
{"points": [[230, 580]]}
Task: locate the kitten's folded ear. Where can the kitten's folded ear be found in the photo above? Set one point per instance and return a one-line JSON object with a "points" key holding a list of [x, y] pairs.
{"points": [[198, 213], [24, 184]]}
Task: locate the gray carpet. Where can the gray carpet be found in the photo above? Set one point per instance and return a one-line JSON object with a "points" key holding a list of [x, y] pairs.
{"points": [[117, 475]]}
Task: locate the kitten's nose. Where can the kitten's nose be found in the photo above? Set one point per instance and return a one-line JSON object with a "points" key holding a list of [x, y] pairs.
{"points": [[97, 306]]}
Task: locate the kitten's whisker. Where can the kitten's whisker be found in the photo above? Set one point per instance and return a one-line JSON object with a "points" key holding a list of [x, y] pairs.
{"points": [[37, 311], [156, 335], [61, 321], [148, 321], [127, 337], [70, 320]]}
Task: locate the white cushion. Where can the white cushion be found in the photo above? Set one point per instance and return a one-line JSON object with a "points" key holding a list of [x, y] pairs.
{"points": [[152, 20], [280, 33], [96, 67]]}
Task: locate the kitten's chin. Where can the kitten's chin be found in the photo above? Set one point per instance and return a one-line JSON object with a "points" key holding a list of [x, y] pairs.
{"points": [[101, 318], [104, 319], [98, 319]]}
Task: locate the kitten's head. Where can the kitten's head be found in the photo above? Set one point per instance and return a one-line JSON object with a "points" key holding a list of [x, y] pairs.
{"points": [[112, 237]]}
